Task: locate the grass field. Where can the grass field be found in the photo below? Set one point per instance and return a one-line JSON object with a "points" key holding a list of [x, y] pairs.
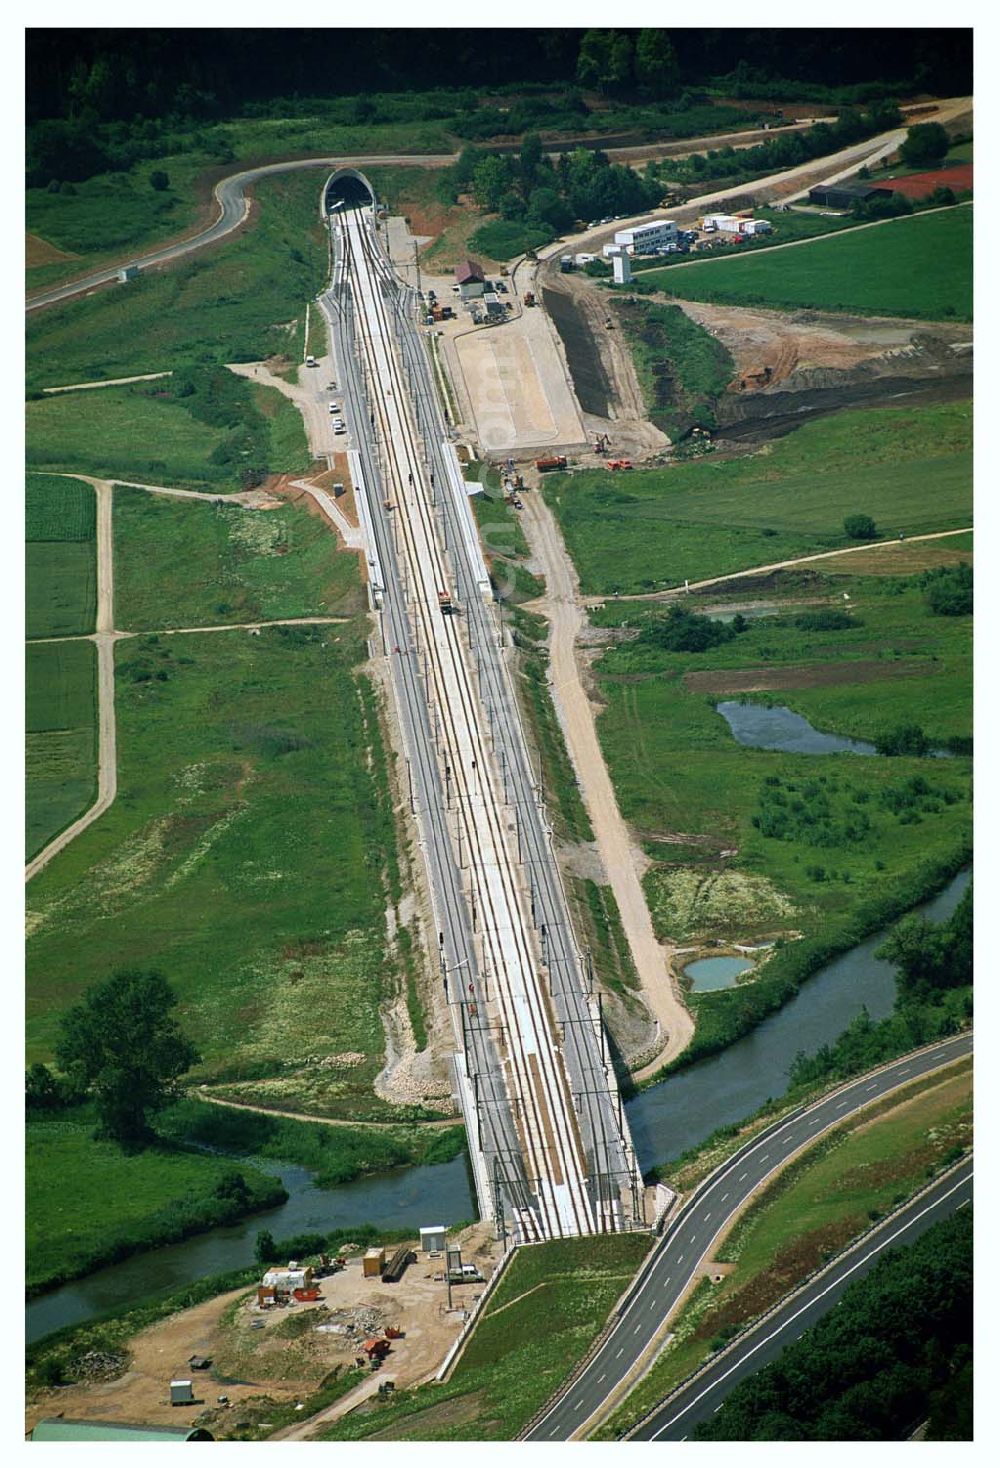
{"points": [[149, 432], [224, 564], [239, 301], [246, 856], [550, 1304], [812, 851], [917, 266], [678, 769], [60, 563], [87, 1202], [60, 737], [909, 468], [823, 1201]]}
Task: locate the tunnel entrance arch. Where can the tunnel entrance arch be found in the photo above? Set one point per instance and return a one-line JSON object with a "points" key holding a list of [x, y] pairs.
{"points": [[346, 187]]}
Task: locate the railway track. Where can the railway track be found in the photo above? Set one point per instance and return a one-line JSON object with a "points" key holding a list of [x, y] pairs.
{"points": [[543, 1101]]}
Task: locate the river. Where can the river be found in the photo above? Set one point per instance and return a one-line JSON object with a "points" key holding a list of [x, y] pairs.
{"points": [[666, 1120]]}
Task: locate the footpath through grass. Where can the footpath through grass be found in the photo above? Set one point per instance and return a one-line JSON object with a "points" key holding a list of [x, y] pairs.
{"points": [[60, 561], [909, 468], [550, 1305], [808, 1214], [89, 1203], [60, 738], [916, 266], [220, 563]]}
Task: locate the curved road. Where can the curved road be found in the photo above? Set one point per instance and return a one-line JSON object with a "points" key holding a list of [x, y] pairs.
{"points": [[703, 1396], [688, 1241], [234, 206]]}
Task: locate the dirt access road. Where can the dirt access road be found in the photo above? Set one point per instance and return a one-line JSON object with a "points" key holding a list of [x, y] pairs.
{"points": [[848, 550], [652, 959]]}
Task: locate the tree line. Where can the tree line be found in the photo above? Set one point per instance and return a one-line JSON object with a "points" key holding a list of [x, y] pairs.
{"points": [[121, 74], [897, 1351]]}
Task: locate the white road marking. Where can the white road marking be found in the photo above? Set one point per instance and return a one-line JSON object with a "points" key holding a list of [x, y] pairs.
{"points": [[620, 1353], [742, 1176], [724, 1197], [601, 1378]]}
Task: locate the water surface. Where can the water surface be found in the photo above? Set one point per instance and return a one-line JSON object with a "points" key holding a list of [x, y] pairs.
{"points": [[707, 974], [686, 1108], [760, 727]]}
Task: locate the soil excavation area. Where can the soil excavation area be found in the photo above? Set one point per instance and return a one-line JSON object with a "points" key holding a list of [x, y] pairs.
{"points": [[280, 1354], [771, 347]]}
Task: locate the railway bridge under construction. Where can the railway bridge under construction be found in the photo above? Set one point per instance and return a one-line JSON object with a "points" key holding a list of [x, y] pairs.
{"points": [[551, 1151]]}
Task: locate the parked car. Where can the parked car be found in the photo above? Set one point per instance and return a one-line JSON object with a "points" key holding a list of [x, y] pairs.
{"points": [[334, 408], [339, 428]]}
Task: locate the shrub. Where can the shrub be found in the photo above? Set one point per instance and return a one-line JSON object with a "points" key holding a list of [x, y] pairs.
{"points": [[948, 591], [860, 527], [904, 739], [684, 631], [826, 619]]}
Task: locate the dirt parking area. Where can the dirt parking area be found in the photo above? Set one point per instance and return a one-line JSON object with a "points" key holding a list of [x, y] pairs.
{"points": [[284, 1353], [517, 387]]}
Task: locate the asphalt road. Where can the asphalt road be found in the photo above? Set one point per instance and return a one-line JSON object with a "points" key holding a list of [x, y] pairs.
{"points": [[689, 1239], [703, 1397], [231, 197]]}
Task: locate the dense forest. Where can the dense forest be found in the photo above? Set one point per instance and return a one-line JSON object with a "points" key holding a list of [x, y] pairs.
{"points": [[118, 75], [895, 1353]]}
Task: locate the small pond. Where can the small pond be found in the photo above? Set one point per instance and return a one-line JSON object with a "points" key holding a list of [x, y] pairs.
{"points": [[760, 727], [707, 974]]}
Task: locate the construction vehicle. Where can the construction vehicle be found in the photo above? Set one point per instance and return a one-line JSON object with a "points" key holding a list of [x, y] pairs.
{"points": [[619, 463], [377, 1348], [550, 462], [529, 298], [445, 604], [386, 1387], [602, 443]]}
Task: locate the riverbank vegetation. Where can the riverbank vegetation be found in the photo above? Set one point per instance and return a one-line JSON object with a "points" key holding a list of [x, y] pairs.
{"points": [[910, 467], [89, 1203], [335, 1154], [540, 1320], [811, 1211], [899, 1350]]}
